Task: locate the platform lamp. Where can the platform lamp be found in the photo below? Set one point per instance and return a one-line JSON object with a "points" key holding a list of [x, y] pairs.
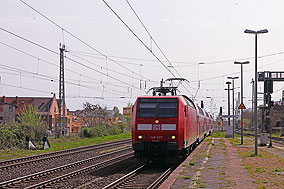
{"points": [[255, 83], [233, 79], [242, 96], [228, 83]]}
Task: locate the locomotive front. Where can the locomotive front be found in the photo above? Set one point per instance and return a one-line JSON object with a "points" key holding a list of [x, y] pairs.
{"points": [[155, 126]]}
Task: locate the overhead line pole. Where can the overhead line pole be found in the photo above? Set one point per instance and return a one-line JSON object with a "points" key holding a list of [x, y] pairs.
{"points": [[61, 91]]}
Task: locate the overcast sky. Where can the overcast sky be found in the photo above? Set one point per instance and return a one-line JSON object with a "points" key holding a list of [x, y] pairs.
{"points": [[188, 32]]}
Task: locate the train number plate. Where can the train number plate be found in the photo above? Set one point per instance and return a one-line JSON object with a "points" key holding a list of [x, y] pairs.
{"points": [[156, 137], [156, 127]]}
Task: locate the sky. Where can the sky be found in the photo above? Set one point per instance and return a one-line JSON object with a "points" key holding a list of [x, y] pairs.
{"points": [[111, 60]]}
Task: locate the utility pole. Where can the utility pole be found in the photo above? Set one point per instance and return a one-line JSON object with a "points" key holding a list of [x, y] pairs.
{"points": [[62, 92], [282, 117]]}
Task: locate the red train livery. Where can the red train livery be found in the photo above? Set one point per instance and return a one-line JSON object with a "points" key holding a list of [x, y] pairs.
{"points": [[168, 125]]}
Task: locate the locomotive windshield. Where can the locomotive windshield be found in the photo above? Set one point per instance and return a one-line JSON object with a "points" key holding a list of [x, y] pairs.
{"points": [[157, 107]]}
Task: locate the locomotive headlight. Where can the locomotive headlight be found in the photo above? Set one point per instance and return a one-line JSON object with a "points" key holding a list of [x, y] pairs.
{"points": [[140, 137], [156, 121], [173, 137]]}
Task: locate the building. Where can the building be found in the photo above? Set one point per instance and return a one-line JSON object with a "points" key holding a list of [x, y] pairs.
{"points": [[7, 112], [127, 111], [47, 107]]}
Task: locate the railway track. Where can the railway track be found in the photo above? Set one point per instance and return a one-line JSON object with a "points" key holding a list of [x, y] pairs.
{"points": [[145, 176], [56, 155], [58, 174], [275, 139]]}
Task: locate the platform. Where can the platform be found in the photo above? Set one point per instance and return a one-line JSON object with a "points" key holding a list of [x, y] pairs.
{"points": [[224, 163]]}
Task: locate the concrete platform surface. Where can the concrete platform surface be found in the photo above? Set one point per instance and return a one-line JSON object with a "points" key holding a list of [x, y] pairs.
{"points": [[215, 163]]}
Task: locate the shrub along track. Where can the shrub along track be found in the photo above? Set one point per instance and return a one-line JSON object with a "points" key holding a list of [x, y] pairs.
{"points": [[23, 166], [58, 174]]}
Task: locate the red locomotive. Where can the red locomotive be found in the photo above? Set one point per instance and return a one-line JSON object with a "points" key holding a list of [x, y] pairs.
{"points": [[168, 125]]}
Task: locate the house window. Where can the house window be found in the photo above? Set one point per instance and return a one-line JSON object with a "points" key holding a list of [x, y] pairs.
{"points": [[68, 121], [54, 109], [10, 108], [1, 118]]}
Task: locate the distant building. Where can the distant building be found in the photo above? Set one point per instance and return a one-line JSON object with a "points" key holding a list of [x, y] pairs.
{"points": [[7, 112], [127, 111], [11, 107], [76, 124]]}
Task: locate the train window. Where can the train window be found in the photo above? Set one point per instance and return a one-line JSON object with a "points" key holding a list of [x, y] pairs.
{"points": [[147, 110], [167, 109], [157, 107]]}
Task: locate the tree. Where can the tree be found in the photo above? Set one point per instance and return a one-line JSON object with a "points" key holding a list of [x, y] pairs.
{"points": [[31, 120], [30, 124], [93, 114]]}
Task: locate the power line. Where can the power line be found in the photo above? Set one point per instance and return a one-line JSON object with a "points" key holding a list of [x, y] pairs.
{"points": [[151, 37], [26, 88], [36, 44], [49, 78], [187, 63], [74, 36], [150, 50], [138, 37], [238, 71], [104, 67], [45, 61]]}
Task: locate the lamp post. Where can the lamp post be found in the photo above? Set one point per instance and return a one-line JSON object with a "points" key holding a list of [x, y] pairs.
{"points": [[255, 83], [233, 79], [242, 96], [228, 83]]}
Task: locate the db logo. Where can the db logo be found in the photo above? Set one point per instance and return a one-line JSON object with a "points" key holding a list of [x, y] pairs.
{"points": [[156, 127]]}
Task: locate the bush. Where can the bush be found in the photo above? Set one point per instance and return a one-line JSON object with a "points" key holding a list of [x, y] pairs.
{"points": [[13, 134], [100, 131]]}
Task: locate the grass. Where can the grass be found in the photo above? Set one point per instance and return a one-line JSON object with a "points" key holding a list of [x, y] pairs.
{"points": [[248, 167], [260, 170], [276, 170], [202, 186], [265, 169], [218, 135], [60, 143], [246, 154], [186, 177]]}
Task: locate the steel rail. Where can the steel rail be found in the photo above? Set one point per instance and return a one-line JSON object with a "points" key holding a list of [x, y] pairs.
{"points": [[59, 154], [57, 169], [125, 177], [162, 178], [49, 183]]}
